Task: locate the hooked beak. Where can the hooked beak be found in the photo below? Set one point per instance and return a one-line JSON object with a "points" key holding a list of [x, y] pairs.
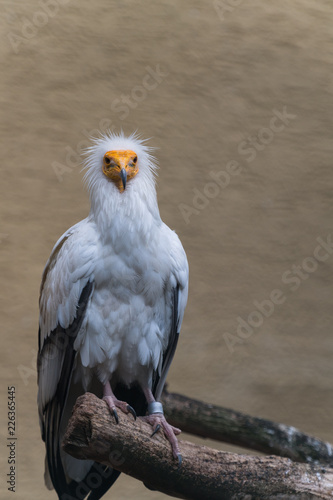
{"points": [[123, 176]]}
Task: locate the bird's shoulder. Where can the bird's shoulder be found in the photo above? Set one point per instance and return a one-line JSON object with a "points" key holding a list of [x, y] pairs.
{"points": [[68, 269]]}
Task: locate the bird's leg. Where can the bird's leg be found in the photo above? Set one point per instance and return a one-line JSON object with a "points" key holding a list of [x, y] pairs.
{"points": [[158, 421], [114, 403]]}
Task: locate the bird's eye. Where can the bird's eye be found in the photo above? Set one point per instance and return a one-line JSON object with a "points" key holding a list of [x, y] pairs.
{"points": [[135, 160], [107, 161]]}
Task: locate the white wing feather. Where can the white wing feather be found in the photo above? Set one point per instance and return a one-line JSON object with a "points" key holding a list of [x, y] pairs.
{"points": [[67, 271]]}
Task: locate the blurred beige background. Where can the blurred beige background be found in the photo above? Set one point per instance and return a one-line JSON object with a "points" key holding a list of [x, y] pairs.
{"points": [[204, 80]]}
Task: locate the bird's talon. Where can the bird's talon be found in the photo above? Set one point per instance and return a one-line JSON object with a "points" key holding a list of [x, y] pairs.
{"points": [[115, 414], [131, 411], [180, 460], [155, 431], [114, 403]]}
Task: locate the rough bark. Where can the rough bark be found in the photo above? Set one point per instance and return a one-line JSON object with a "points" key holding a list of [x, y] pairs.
{"points": [[204, 474], [221, 424]]}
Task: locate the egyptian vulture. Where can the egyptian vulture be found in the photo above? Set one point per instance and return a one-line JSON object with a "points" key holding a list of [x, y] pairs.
{"points": [[112, 300]]}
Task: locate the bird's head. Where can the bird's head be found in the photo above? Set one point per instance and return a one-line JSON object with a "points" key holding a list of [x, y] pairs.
{"points": [[116, 165], [120, 166]]}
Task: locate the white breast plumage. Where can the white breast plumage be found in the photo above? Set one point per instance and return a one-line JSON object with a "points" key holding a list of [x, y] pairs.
{"points": [[128, 318]]}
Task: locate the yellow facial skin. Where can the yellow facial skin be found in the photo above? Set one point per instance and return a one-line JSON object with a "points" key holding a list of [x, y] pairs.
{"points": [[120, 166]]}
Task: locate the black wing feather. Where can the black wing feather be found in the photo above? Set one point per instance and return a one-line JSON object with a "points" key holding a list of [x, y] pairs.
{"points": [[159, 380], [64, 339]]}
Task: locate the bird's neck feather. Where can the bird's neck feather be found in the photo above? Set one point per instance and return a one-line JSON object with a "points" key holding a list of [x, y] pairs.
{"points": [[131, 214]]}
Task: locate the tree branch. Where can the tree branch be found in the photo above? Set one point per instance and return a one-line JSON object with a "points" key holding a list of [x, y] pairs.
{"points": [[204, 473], [221, 424]]}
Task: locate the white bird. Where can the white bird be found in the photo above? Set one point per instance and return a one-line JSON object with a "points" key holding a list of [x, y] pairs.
{"points": [[112, 300]]}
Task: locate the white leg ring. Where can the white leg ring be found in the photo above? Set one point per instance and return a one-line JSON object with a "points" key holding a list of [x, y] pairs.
{"points": [[155, 407]]}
